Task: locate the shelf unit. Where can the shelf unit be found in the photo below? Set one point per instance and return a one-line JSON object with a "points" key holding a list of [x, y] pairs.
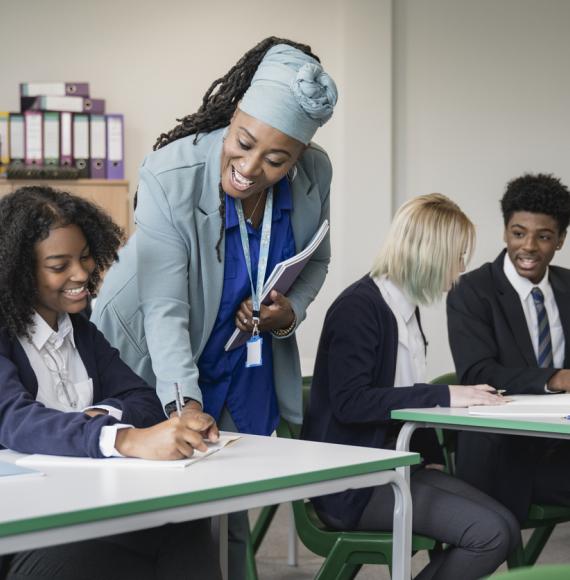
{"points": [[110, 194]]}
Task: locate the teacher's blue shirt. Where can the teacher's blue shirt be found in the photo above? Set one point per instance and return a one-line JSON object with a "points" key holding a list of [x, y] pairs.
{"points": [[248, 393]]}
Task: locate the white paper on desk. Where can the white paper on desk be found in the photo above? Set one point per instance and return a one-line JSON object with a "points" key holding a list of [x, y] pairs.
{"points": [[547, 405], [60, 460], [281, 279], [11, 470]]}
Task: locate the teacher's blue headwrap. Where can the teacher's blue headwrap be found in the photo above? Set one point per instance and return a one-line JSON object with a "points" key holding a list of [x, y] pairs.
{"points": [[291, 92]]}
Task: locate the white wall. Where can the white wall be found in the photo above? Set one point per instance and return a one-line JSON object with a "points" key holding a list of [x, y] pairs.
{"points": [[481, 96], [153, 61], [453, 96]]}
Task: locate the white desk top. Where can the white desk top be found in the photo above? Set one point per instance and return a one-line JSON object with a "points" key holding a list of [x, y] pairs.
{"points": [[460, 417], [252, 465]]}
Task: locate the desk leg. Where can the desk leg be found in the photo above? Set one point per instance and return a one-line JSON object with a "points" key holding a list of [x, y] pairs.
{"points": [[222, 522], [402, 534], [403, 444], [292, 543]]}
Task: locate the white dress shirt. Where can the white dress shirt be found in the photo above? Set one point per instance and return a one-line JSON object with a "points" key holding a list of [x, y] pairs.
{"points": [[411, 354], [523, 287], [55, 360]]}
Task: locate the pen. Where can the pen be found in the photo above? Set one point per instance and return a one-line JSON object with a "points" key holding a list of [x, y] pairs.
{"points": [[178, 399], [501, 391]]}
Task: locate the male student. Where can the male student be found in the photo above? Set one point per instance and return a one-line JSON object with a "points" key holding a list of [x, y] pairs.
{"points": [[509, 326]]}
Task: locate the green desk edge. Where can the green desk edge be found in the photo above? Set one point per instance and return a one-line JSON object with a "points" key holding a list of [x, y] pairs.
{"points": [[417, 415], [37, 524]]}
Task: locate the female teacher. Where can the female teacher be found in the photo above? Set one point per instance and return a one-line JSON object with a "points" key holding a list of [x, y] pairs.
{"points": [[231, 191]]}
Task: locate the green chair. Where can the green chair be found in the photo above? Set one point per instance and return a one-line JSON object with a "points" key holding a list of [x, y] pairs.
{"points": [[542, 518], [553, 572], [266, 515], [344, 552]]}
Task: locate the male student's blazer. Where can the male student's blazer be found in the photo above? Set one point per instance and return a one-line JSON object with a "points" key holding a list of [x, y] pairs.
{"points": [[491, 343], [29, 427], [353, 392], [488, 333]]}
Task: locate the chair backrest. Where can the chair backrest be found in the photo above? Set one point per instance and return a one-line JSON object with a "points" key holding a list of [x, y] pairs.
{"points": [[446, 379]]}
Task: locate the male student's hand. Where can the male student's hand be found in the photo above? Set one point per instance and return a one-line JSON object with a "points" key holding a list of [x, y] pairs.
{"points": [[275, 316], [559, 381], [465, 396]]}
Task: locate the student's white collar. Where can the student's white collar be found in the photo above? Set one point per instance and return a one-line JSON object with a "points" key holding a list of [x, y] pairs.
{"points": [[42, 332], [523, 286]]}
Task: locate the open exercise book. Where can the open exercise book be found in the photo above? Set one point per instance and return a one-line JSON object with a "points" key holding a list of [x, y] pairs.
{"points": [[547, 405], [281, 279], [59, 460]]}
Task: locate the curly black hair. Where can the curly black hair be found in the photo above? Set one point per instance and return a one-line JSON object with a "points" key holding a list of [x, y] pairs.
{"points": [[26, 218], [537, 193], [219, 104]]}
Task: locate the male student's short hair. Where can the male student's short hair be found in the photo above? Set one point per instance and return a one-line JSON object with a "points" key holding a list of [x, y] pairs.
{"points": [[428, 244], [537, 193]]}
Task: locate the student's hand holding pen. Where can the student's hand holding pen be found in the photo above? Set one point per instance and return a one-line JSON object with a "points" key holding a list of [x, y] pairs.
{"points": [[196, 419], [466, 396], [174, 438], [200, 421]]}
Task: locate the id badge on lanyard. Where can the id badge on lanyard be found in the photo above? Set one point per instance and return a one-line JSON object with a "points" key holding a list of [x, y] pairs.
{"points": [[255, 343]]}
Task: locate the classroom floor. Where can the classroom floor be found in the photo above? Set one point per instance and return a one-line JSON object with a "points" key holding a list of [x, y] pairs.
{"points": [[272, 555]]}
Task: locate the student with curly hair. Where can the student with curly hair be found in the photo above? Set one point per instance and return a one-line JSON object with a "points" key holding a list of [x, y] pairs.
{"points": [[65, 391], [371, 360], [240, 177], [509, 326]]}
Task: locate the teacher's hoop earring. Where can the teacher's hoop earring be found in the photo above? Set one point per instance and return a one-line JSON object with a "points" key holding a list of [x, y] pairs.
{"points": [[292, 173]]}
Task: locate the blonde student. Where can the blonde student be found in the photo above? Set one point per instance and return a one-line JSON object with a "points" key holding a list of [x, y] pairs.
{"points": [[371, 359]]}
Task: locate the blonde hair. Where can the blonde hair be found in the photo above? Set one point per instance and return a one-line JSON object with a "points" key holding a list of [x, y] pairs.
{"points": [[428, 243]]}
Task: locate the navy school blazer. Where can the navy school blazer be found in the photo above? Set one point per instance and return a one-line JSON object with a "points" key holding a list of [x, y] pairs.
{"points": [[489, 337], [353, 392], [28, 426]]}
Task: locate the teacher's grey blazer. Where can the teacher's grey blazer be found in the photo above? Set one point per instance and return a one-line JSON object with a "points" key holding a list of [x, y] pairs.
{"points": [[159, 302]]}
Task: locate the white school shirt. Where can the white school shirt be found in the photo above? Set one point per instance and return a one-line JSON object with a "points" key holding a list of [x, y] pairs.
{"points": [[60, 345], [523, 287], [411, 364]]}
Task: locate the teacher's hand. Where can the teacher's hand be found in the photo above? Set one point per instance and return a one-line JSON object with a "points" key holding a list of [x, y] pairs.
{"points": [[275, 316]]}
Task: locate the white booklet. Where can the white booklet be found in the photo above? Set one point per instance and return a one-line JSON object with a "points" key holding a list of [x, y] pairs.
{"points": [[60, 460], [547, 405], [281, 279]]}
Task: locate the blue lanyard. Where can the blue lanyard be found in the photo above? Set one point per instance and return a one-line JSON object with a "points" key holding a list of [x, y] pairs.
{"points": [[263, 253]]}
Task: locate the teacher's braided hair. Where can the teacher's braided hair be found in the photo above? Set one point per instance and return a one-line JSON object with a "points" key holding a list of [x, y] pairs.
{"points": [[220, 102]]}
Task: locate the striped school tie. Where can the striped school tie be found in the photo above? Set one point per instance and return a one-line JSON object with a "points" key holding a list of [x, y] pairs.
{"points": [[544, 343]]}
